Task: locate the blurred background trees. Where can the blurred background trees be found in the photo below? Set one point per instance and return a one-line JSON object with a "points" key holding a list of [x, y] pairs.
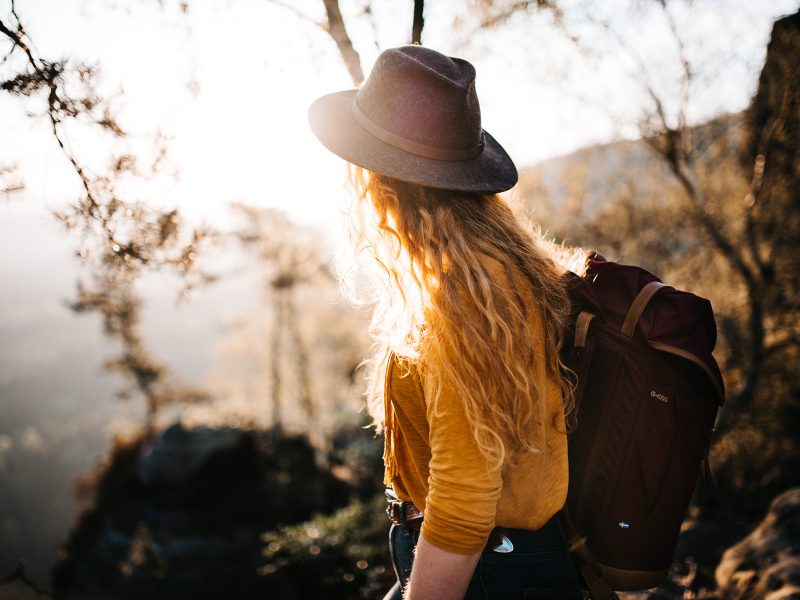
{"points": [[120, 235], [709, 209], [271, 443], [700, 207], [315, 342]]}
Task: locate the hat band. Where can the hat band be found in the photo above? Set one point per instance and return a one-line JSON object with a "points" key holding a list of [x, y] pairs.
{"points": [[411, 146]]}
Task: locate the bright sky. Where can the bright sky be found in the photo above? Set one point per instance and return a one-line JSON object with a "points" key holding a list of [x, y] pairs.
{"points": [[230, 83]]}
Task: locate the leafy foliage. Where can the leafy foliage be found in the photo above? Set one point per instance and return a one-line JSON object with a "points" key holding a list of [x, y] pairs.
{"points": [[342, 555]]}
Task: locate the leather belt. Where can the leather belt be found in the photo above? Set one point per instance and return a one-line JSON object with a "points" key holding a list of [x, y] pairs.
{"points": [[404, 513]]}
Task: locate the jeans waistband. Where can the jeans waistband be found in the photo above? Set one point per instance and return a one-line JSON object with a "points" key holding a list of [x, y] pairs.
{"points": [[546, 538], [549, 536]]}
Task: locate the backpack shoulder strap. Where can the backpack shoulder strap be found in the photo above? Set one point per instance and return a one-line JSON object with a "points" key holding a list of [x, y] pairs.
{"points": [[582, 328]]}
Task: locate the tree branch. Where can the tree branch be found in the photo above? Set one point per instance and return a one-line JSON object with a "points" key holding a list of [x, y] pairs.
{"points": [[686, 78], [130, 236], [299, 13], [787, 342], [338, 32], [10, 52], [418, 22], [10, 183], [18, 574], [369, 15], [53, 102], [677, 149], [492, 20]]}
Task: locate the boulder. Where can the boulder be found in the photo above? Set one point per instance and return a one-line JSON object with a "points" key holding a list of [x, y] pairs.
{"points": [[178, 454], [766, 564]]}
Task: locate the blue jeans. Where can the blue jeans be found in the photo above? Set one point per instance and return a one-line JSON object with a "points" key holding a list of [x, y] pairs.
{"points": [[538, 568]]}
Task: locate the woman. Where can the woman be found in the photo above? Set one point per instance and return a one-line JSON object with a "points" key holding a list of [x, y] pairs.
{"points": [[468, 388]]}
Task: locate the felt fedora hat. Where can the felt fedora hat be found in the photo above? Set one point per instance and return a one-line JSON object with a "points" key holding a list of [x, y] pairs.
{"points": [[415, 118]]}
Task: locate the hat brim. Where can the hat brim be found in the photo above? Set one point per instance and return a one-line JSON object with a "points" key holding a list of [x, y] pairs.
{"points": [[333, 123]]}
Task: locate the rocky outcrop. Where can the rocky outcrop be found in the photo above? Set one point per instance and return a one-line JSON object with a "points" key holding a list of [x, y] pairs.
{"points": [[766, 564], [181, 515]]}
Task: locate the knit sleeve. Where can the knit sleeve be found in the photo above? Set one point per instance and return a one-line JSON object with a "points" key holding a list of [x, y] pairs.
{"points": [[463, 487]]}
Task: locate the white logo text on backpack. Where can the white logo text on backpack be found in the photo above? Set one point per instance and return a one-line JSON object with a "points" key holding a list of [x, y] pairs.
{"points": [[662, 397]]}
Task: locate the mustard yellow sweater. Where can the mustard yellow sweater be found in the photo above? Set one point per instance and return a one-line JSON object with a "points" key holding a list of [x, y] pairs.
{"points": [[436, 463]]}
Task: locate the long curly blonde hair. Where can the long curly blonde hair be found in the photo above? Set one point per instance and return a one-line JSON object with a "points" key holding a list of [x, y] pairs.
{"points": [[433, 296]]}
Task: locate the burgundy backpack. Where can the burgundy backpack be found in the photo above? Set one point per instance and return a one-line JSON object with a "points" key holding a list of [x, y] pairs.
{"points": [[647, 396]]}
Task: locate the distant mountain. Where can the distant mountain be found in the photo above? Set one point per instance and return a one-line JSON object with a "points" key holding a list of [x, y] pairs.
{"points": [[586, 180]]}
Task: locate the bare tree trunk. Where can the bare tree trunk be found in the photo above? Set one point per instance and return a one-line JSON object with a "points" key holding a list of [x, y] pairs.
{"points": [[677, 153], [303, 374], [338, 32], [419, 22], [277, 352]]}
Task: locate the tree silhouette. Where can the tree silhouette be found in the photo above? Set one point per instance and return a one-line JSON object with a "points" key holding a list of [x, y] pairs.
{"points": [[713, 208], [744, 233], [334, 25], [19, 574], [121, 237], [493, 13], [10, 182], [714, 217], [293, 259], [114, 299]]}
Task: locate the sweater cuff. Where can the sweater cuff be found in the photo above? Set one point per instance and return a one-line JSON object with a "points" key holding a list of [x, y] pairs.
{"points": [[453, 536]]}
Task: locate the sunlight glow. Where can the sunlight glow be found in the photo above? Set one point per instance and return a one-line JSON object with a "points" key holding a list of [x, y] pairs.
{"points": [[229, 84]]}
